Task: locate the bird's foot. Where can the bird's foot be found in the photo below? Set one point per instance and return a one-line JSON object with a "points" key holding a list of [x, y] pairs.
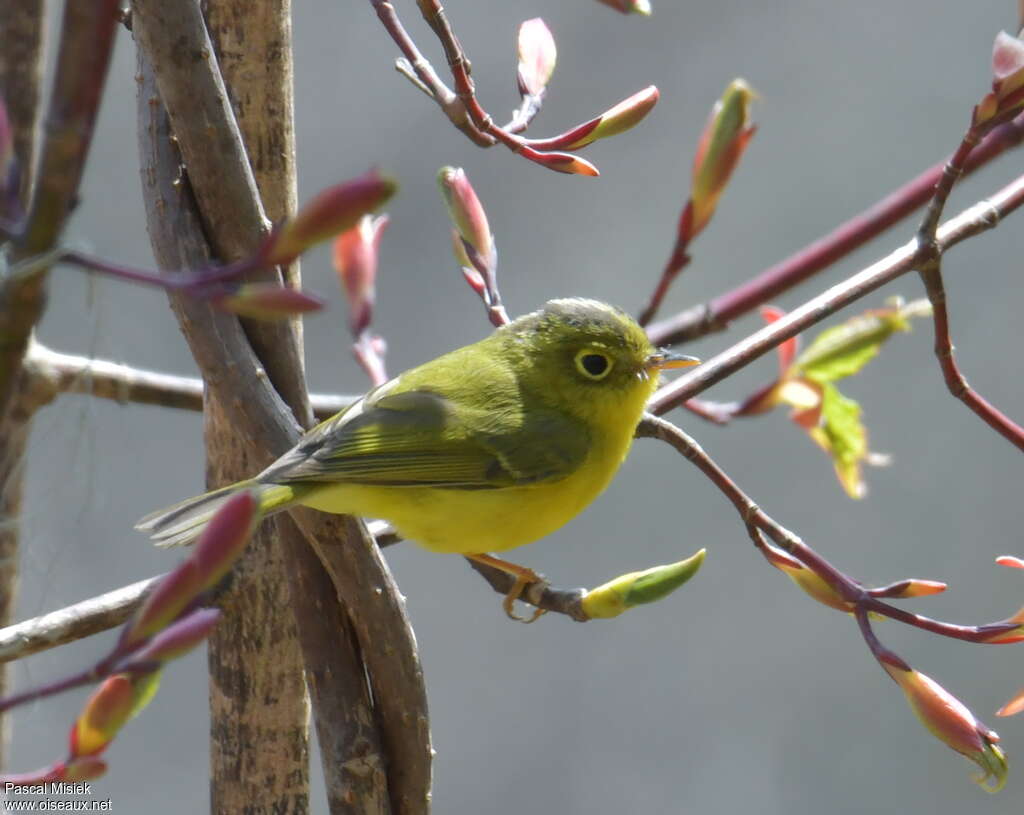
{"points": [[524, 577]]}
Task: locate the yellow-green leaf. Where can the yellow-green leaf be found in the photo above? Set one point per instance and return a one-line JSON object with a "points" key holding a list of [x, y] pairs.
{"points": [[843, 350], [843, 436]]}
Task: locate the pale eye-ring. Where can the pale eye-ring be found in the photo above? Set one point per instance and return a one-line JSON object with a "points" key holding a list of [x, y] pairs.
{"points": [[593, 364]]}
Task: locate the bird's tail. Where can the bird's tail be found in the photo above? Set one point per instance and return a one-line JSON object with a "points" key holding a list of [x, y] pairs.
{"points": [[183, 522]]}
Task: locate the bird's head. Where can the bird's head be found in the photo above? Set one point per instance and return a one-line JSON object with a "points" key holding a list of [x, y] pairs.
{"points": [[592, 357]]}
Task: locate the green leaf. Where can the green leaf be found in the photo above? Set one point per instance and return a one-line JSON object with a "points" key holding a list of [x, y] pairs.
{"points": [[844, 437], [843, 350]]}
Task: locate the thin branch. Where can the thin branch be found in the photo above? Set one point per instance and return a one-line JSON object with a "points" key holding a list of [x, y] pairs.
{"points": [[54, 373], [74, 622], [974, 220], [758, 521], [783, 276], [418, 69], [462, 107], [930, 270], [104, 612]]}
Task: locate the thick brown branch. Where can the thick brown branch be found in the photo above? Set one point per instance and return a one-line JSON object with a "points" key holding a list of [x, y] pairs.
{"points": [[21, 73], [84, 54], [260, 417]]}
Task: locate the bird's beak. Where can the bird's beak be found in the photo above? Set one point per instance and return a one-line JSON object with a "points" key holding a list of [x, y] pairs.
{"points": [[663, 359]]}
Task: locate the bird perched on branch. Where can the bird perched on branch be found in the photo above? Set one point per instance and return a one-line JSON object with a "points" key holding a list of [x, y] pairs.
{"points": [[486, 448]]}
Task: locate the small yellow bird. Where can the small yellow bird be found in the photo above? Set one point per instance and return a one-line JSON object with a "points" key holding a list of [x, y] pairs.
{"points": [[486, 448]]}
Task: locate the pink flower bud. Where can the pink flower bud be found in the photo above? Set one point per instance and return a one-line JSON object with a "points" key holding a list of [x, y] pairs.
{"points": [[537, 56], [165, 602], [355, 261], [225, 537], [177, 639], [1007, 65], [466, 212], [949, 720], [334, 210], [725, 138], [267, 301]]}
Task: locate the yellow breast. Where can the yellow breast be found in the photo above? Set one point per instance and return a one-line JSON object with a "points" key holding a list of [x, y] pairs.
{"points": [[474, 521]]}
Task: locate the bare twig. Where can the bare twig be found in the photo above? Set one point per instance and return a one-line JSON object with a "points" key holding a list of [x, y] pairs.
{"points": [[718, 313], [54, 373], [461, 106], [979, 218], [103, 612], [758, 521], [930, 269], [74, 622]]}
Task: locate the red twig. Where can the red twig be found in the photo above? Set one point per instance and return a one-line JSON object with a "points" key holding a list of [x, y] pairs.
{"points": [[759, 523], [931, 275], [979, 218], [719, 312], [461, 106]]}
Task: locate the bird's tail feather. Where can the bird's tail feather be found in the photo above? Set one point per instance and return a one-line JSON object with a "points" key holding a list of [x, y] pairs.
{"points": [[183, 522]]}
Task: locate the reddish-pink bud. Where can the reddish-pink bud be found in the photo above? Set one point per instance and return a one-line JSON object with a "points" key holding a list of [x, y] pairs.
{"points": [[1007, 64], [467, 213], [623, 116], [950, 721], [721, 146], [1011, 561], [475, 280], [560, 162], [225, 537], [267, 301], [165, 602], [355, 260], [332, 211], [537, 55], [177, 639]]}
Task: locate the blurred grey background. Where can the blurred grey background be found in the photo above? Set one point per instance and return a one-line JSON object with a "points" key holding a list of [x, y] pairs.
{"points": [[738, 694]]}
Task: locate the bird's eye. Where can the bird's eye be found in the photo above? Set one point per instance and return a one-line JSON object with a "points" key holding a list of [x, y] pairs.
{"points": [[593, 364]]}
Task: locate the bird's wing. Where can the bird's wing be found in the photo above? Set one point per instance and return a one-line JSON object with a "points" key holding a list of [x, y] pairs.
{"points": [[418, 438]]}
